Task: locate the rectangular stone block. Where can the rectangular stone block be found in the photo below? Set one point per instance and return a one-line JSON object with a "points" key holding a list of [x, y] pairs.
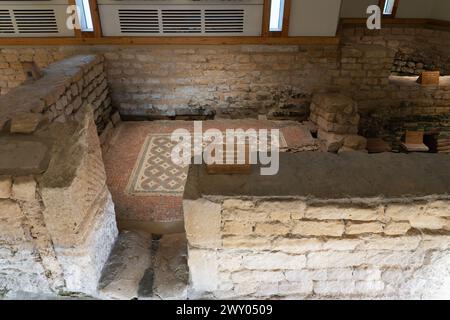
{"points": [[5, 187], [314, 228]]}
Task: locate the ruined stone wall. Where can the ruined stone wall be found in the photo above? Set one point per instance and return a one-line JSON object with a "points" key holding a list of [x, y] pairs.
{"points": [[246, 80], [57, 218], [58, 222], [66, 87], [231, 81], [297, 248], [412, 43]]}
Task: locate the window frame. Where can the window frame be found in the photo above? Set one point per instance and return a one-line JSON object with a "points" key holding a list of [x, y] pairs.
{"points": [[96, 24], [266, 20], [394, 9]]}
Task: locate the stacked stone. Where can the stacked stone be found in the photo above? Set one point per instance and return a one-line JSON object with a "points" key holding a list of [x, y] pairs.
{"points": [[67, 86], [256, 248], [411, 65], [337, 119], [27, 259]]}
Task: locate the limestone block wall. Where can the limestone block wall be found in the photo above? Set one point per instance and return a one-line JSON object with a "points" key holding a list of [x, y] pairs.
{"points": [[66, 87], [308, 249], [411, 42], [27, 258], [246, 80], [57, 219]]}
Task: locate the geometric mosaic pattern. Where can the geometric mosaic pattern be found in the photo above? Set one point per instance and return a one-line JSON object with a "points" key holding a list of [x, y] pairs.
{"points": [[155, 173]]}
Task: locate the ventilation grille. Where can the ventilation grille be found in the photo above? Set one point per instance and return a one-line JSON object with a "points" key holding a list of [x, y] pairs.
{"points": [[36, 21], [6, 24], [224, 21], [139, 21], [182, 21]]}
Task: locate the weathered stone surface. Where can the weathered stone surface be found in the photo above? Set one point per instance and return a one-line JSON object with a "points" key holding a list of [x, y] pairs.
{"points": [[25, 122], [396, 228], [203, 269], [5, 187], [328, 212], [129, 259], [202, 223], [24, 188], [313, 228], [11, 230], [83, 263], [360, 228], [171, 270], [22, 156]]}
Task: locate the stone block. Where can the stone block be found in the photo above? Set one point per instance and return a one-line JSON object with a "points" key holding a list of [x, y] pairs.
{"points": [[202, 220], [396, 228], [246, 276], [11, 217], [203, 269], [273, 261], [237, 228], [230, 204], [355, 142], [328, 212], [24, 188], [282, 210], [122, 273], [296, 246], [271, 229], [361, 228], [25, 122], [5, 187], [314, 228]]}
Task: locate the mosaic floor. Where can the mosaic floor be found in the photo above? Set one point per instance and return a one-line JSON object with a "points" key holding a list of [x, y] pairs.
{"points": [[156, 174], [145, 184]]}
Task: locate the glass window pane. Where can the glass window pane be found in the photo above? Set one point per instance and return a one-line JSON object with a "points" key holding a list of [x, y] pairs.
{"points": [[84, 12], [388, 7], [276, 15]]}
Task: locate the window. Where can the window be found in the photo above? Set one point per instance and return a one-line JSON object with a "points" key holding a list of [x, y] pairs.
{"points": [[84, 12], [389, 7], [276, 15]]}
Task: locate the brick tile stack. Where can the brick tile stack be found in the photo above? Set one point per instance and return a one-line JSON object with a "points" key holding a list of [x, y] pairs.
{"points": [[337, 119]]}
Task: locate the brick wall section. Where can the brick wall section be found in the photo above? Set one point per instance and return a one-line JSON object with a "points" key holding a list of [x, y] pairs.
{"points": [[257, 248], [66, 87]]}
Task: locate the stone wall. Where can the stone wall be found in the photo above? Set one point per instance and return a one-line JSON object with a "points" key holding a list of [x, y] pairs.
{"points": [[239, 81], [259, 248], [57, 222], [66, 87], [307, 233], [200, 81], [57, 219]]}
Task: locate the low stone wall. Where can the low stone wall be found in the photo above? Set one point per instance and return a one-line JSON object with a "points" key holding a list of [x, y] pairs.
{"points": [[57, 219], [322, 239], [66, 87], [58, 222]]}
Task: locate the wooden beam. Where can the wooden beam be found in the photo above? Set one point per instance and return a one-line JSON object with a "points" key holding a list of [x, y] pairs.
{"points": [[286, 18], [96, 18], [265, 32], [171, 41]]}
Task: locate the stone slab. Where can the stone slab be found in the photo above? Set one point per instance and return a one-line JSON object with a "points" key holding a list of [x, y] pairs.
{"points": [[329, 176], [23, 156]]}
